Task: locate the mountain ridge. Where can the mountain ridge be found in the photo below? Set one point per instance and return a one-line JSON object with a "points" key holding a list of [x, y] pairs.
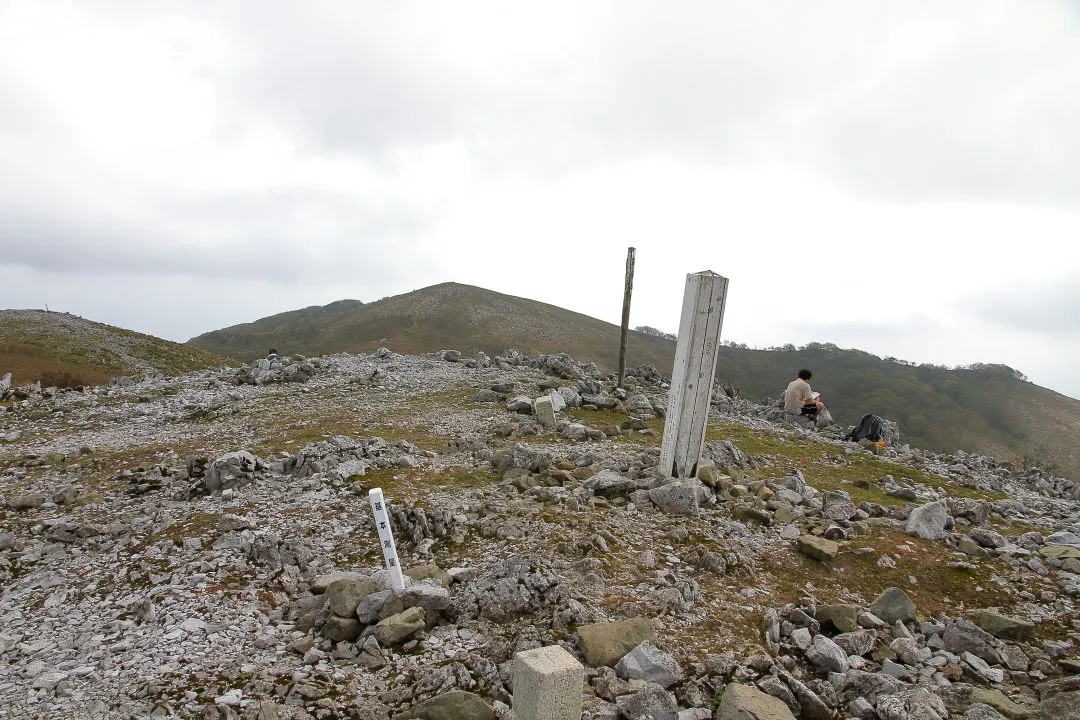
{"points": [[982, 408], [990, 409]]}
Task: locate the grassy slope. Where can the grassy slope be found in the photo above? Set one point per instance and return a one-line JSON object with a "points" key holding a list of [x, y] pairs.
{"points": [[36, 343], [987, 410]]}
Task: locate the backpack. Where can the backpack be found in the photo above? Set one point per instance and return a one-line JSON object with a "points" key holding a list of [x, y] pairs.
{"points": [[869, 427]]}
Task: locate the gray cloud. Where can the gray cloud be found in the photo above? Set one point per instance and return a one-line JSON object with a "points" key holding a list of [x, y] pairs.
{"points": [[342, 78], [279, 236], [937, 103], [1052, 308]]}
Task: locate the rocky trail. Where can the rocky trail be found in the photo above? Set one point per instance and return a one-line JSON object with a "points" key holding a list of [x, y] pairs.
{"points": [[201, 546]]}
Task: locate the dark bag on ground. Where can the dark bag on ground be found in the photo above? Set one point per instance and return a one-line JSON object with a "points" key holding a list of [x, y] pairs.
{"points": [[869, 427]]}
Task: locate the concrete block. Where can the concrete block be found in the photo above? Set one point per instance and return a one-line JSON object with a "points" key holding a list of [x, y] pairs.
{"points": [[548, 684]]}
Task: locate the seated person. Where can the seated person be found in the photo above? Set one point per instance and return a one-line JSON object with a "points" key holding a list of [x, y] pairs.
{"points": [[800, 400], [272, 356]]}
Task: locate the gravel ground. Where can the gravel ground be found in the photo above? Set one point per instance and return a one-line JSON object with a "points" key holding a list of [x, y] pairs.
{"points": [[128, 590]]}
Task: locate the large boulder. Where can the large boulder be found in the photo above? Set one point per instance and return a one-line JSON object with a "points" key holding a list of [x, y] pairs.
{"points": [[232, 470], [456, 704], [651, 664], [813, 707], [570, 396], [370, 606], [859, 642], [341, 629], [428, 572], [988, 538], [928, 521], [677, 498], [427, 596], [1003, 626], [893, 605], [523, 456], [974, 510], [817, 548], [837, 506], [981, 668], [1000, 702], [917, 704], [25, 501], [981, 711], [298, 372], [965, 636], [827, 656], [343, 595], [651, 702], [608, 483], [310, 613], [489, 396], [607, 643], [1059, 552], [845, 618], [745, 702], [869, 685], [1063, 537], [602, 401], [520, 404], [560, 365], [545, 412], [647, 372], [1063, 706], [397, 628], [890, 432]]}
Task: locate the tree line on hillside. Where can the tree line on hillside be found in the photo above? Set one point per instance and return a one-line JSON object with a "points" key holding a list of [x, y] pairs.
{"points": [[937, 407]]}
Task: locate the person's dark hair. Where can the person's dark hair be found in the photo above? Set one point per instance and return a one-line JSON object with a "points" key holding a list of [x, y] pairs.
{"points": [[805, 374]]}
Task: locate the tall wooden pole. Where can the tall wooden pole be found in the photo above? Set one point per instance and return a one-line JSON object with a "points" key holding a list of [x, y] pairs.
{"points": [[692, 375], [628, 288]]}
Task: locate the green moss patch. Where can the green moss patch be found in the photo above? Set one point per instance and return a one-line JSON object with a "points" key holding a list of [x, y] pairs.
{"points": [[412, 484], [1007, 526], [199, 525], [921, 569]]}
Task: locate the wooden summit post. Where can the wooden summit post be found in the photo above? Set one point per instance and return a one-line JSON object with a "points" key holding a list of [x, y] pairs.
{"points": [[692, 375], [628, 288]]}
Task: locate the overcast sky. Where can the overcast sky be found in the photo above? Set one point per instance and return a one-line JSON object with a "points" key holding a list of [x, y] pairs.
{"points": [[902, 178]]}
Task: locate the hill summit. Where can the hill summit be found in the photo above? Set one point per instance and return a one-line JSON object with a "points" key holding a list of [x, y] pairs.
{"points": [[448, 315]]}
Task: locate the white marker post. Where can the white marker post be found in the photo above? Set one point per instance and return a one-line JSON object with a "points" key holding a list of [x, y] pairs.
{"points": [[386, 540], [692, 375]]}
